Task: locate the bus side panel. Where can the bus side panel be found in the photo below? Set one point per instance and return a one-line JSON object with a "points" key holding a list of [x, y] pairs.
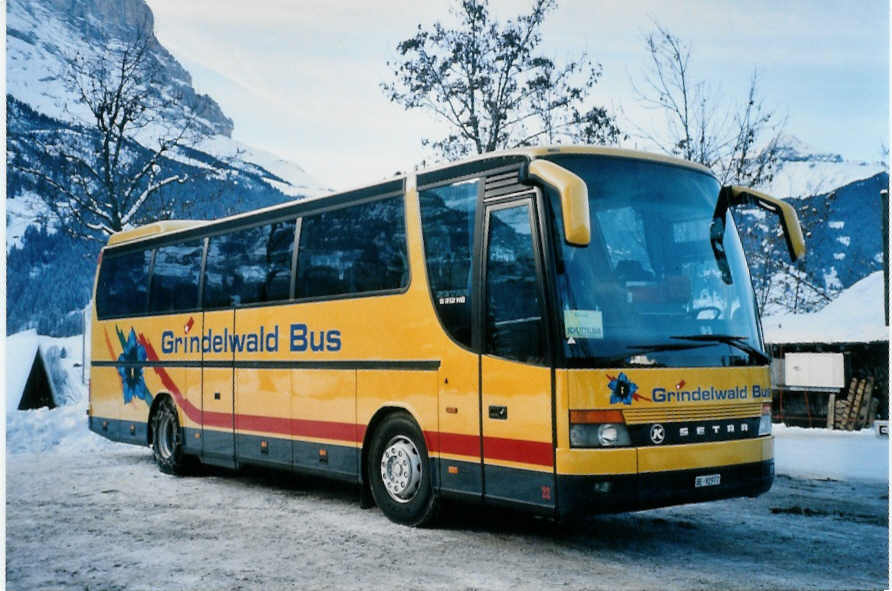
{"points": [[517, 435], [459, 419], [323, 421], [191, 419], [262, 394], [105, 401], [217, 400], [416, 391], [262, 410], [106, 396]]}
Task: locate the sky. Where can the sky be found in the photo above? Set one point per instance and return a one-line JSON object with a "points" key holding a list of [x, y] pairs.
{"points": [[302, 79]]}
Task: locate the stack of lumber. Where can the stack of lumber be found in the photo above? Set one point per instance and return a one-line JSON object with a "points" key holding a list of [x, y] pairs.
{"points": [[857, 410]]}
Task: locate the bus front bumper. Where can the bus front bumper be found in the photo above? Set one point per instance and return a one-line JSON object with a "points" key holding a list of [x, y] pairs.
{"points": [[646, 478]]}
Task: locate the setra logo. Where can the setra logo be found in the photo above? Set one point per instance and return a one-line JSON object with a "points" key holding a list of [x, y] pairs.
{"points": [[657, 434]]}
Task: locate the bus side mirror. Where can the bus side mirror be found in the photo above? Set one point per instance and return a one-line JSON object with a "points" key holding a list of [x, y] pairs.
{"points": [[731, 196], [574, 198]]}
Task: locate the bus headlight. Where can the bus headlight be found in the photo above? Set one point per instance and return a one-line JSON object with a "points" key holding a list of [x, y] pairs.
{"points": [[765, 420], [589, 428]]}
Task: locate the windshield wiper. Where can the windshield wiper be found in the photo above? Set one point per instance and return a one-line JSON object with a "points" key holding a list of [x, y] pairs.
{"points": [[728, 339], [651, 348]]}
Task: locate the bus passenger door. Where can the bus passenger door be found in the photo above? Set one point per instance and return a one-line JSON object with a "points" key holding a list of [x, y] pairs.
{"points": [[217, 402], [515, 377]]}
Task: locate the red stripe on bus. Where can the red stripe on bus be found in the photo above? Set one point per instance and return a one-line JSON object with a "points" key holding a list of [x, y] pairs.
{"points": [[298, 427], [111, 350], [194, 413], [459, 444], [518, 450], [496, 448]]}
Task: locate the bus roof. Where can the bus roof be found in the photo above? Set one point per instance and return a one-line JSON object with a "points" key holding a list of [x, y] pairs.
{"points": [[172, 226], [153, 229]]}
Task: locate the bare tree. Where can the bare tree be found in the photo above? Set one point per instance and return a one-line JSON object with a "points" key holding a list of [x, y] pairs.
{"points": [[486, 80], [111, 165], [740, 144]]}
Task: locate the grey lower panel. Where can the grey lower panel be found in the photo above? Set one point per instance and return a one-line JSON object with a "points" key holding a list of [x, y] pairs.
{"points": [[218, 445], [133, 432], [192, 441], [264, 450], [108, 428], [515, 485], [465, 478], [339, 460]]}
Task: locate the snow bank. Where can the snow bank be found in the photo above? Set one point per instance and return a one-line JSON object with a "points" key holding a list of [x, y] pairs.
{"points": [[61, 430], [58, 429], [840, 455], [855, 316]]}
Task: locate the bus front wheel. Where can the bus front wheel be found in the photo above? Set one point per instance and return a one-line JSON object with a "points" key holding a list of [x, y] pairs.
{"points": [[399, 472], [167, 440]]}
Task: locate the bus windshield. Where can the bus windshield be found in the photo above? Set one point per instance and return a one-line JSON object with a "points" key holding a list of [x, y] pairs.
{"points": [[648, 289]]}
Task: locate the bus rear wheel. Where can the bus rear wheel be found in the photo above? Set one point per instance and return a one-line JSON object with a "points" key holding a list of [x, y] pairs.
{"points": [[167, 440], [399, 472]]}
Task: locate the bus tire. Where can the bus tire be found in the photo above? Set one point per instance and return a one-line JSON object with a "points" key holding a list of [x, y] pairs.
{"points": [[167, 440], [399, 472]]}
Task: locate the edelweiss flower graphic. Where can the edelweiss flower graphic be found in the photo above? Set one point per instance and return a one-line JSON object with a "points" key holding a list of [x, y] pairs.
{"points": [[131, 375], [622, 389]]}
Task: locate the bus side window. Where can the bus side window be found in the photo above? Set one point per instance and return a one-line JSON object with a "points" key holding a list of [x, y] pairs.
{"points": [[123, 284], [514, 313], [353, 250], [175, 277], [447, 223], [249, 266]]}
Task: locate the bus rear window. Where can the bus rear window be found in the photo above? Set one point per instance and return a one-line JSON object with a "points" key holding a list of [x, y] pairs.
{"points": [[123, 284]]}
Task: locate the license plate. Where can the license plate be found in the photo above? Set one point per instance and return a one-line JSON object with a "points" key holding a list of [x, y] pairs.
{"points": [[708, 480]]}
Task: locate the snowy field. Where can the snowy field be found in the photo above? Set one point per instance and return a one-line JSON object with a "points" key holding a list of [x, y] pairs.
{"points": [[85, 513]]}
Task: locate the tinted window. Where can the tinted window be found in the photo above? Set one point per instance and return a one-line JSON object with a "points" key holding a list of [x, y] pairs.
{"points": [[447, 222], [123, 283], [514, 315], [249, 266], [353, 250], [175, 277]]}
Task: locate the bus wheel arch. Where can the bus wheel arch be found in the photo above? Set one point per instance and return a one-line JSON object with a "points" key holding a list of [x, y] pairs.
{"points": [[392, 431]]}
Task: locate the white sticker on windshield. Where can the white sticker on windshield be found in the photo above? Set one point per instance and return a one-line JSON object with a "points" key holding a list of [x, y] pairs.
{"points": [[583, 324]]}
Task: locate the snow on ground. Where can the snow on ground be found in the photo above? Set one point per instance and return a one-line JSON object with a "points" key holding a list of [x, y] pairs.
{"points": [[108, 519], [824, 453], [46, 430], [856, 315], [83, 512]]}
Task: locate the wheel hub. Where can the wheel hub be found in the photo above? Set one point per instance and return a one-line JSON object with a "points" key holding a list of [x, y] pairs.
{"points": [[166, 436], [401, 469]]}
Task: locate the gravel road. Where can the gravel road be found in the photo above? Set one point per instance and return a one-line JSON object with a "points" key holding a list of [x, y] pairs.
{"points": [[110, 520]]}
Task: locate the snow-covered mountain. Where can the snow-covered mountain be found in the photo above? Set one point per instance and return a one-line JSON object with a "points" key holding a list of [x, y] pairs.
{"points": [[42, 35], [839, 205], [227, 177], [807, 171]]}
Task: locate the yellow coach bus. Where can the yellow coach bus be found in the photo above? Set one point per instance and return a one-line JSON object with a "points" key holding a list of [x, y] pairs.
{"points": [[565, 329]]}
